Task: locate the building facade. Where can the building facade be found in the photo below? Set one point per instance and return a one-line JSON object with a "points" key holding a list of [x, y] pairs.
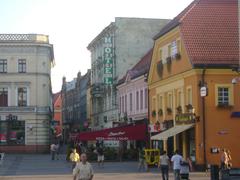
{"points": [[57, 117], [74, 104], [133, 92], [190, 89], [114, 51], [25, 92]]}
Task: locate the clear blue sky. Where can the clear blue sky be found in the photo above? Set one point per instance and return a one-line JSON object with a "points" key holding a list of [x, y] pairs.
{"points": [[72, 24]]}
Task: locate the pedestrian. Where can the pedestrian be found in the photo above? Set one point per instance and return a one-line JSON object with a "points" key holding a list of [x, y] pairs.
{"points": [[224, 159], [57, 147], [164, 165], [184, 170], [229, 158], [176, 160], [53, 150], [83, 169], [100, 156], [142, 161], [74, 158]]}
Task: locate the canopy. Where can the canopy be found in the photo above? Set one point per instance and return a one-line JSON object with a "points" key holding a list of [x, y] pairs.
{"points": [[129, 132], [171, 132]]}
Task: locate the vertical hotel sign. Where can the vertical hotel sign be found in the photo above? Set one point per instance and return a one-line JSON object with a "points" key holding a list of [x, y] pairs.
{"points": [[108, 61]]}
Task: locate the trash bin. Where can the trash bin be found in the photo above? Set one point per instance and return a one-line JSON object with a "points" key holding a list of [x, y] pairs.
{"points": [[214, 172]]}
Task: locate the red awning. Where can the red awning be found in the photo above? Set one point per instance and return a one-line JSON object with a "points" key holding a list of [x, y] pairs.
{"points": [[129, 132]]}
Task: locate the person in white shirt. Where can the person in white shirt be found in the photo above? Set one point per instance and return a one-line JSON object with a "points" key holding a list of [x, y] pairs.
{"points": [[176, 160], [164, 164], [83, 170]]}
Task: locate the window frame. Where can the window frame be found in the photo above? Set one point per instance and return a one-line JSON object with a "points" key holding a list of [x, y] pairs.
{"points": [[3, 65], [26, 101], [22, 66], [4, 105], [230, 94]]}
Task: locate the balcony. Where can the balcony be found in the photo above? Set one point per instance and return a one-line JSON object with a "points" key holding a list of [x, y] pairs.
{"points": [[97, 90], [23, 38], [27, 109]]}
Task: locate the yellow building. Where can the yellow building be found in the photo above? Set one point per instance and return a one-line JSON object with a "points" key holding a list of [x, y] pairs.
{"points": [[194, 54]]}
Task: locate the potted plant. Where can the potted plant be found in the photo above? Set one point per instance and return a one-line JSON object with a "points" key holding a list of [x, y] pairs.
{"points": [[169, 110], [177, 56], [179, 109], [160, 112], [189, 107], [153, 113]]}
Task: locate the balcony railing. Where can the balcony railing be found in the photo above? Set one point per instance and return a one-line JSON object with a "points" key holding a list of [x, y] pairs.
{"points": [[31, 109], [23, 38]]}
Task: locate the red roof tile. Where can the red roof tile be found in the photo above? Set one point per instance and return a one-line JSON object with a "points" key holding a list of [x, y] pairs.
{"points": [[209, 29], [210, 32]]}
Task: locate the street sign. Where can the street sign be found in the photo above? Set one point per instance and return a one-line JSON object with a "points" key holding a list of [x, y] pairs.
{"points": [[203, 91], [108, 80]]}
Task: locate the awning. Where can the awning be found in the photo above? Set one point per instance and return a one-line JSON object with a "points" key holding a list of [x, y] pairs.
{"points": [[171, 132], [129, 132]]}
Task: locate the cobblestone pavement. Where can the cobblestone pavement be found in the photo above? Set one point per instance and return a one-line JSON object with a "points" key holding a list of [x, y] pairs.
{"points": [[39, 167]]}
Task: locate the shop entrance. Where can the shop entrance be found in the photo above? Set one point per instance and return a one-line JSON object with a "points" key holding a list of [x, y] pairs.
{"points": [[170, 147]]}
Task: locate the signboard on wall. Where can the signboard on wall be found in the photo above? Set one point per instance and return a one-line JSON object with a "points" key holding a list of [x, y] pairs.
{"points": [[185, 118], [108, 61]]}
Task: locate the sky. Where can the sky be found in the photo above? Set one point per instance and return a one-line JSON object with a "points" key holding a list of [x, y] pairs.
{"points": [[73, 24]]}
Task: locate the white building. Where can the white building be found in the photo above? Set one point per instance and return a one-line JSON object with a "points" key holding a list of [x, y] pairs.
{"points": [[114, 51], [25, 92]]}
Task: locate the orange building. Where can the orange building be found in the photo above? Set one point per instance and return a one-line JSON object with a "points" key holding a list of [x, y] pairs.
{"points": [[193, 55], [57, 119]]}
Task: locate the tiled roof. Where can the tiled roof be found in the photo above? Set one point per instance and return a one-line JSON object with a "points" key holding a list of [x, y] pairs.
{"points": [[141, 68], [209, 29]]}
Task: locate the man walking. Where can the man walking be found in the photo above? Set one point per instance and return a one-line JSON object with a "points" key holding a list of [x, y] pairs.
{"points": [[164, 164], [100, 156], [83, 169], [142, 162], [176, 160]]}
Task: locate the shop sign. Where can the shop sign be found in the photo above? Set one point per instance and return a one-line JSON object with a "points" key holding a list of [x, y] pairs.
{"points": [[185, 118], [108, 61]]}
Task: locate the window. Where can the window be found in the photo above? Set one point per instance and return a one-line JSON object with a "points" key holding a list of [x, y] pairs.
{"points": [[146, 98], [122, 104], [130, 101], [160, 102], [141, 99], [179, 98], [173, 48], [154, 104], [125, 103], [3, 97], [3, 65], [137, 100], [22, 65], [160, 54], [178, 46], [223, 96], [12, 132], [22, 96], [189, 95], [169, 49], [170, 100]]}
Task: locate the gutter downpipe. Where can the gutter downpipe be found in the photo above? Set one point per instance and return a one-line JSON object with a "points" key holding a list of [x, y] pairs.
{"points": [[204, 119]]}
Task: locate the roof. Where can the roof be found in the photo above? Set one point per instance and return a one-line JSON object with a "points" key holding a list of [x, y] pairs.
{"points": [[141, 68], [55, 96], [209, 29]]}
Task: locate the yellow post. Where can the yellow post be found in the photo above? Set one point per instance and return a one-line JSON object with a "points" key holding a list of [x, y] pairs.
{"points": [[165, 145], [175, 143], [184, 138]]}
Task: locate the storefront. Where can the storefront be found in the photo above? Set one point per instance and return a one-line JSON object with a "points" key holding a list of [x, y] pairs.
{"points": [[12, 132], [123, 133]]}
